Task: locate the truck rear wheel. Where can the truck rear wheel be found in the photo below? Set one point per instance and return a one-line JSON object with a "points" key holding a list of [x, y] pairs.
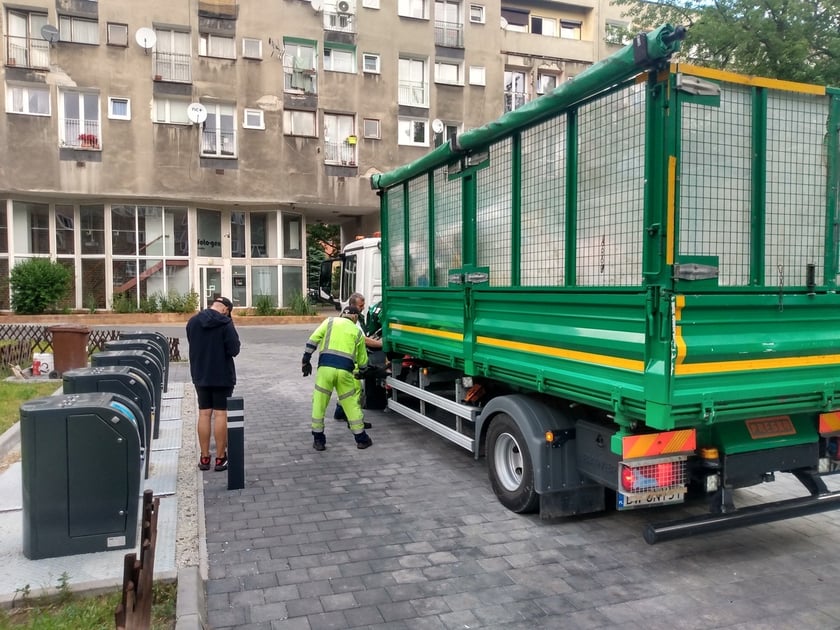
{"points": [[510, 467]]}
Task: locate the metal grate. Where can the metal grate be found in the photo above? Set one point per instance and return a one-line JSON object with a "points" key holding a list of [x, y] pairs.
{"points": [[610, 189], [493, 215], [418, 232], [543, 231], [796, 187], [447, 209], [396, 237], [715, 180]]}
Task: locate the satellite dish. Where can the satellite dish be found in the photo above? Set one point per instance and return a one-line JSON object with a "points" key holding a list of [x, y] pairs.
{"points": [[437, 125], [504, 23], [197, 113], [316, 5], [50, 33], [145, 38]]}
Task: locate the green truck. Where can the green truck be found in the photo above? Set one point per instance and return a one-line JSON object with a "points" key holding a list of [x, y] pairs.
{"points": [[626, 292]]}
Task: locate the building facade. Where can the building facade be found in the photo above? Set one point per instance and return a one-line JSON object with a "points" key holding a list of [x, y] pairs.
{"points": [[169, 146]]}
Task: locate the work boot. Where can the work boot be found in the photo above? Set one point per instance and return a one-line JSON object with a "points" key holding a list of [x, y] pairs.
{"points": [[319, 441], [363, 440]]}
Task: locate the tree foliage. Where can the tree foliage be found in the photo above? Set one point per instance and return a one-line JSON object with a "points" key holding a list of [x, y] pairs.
{"points": [[38, 284], [322, 242], [793, 40]]}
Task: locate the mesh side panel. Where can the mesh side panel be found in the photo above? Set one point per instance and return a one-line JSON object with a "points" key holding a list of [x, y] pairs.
{"points": [[715, 183], [396, 237], [418, 232], [447, 209], [611, 189], [493, 214], [544, 204], [796, 187]]}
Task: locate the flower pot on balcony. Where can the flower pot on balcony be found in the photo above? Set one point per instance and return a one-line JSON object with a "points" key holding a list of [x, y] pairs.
{"points": [[352, 140]]}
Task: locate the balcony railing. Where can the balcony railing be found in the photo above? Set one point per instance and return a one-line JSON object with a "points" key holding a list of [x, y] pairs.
{"points": [[413, 93], [168, 66], [515, 100], [303, 80], [342, 153], [81, 134], [449, 34], [27, 52], [341, 22], [218, 143]]}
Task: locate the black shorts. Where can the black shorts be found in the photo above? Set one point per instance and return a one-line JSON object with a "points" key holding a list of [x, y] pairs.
{"points": [[213, 397]]}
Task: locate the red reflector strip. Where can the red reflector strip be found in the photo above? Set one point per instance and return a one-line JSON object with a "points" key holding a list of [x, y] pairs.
{"points": [[830, 422], [654, 444]]}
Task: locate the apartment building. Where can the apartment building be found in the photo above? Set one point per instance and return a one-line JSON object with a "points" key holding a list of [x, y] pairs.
{"points": [[176, 145]]}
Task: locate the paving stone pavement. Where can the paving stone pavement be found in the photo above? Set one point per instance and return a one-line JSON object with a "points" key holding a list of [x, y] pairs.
{"points": [[408, 534]]}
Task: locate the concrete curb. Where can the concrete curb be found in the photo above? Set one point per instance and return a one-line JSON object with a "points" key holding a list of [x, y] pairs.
{"points": [[191, 607], [10, 440]]}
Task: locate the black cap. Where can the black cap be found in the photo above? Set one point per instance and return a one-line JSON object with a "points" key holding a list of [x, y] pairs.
{"points": [[350, 310], [223, 300]]}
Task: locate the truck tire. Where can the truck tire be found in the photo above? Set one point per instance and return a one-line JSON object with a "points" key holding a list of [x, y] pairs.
{"points": [[510, 466]]}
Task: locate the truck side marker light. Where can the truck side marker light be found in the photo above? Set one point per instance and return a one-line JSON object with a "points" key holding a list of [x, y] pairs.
{"points": [[549, 437], [709, 452]]}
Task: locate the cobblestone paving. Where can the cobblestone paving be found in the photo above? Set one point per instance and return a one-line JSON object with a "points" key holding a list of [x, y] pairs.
{"points": [[407, 534]]}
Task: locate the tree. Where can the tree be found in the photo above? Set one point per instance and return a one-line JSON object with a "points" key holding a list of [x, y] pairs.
{"points": [[792, 40], [38, 284], [322, 242]]}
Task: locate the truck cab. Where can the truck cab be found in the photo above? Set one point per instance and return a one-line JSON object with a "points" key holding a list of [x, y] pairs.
{"points": [[357, 270]]}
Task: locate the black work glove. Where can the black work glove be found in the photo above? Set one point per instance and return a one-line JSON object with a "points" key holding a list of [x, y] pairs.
{"points": [[363, 372], [306, 368]]}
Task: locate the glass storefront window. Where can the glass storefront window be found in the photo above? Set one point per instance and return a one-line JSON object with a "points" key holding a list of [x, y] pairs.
{"points": [[123, 230], [31, 227], [93, 283], [292, 284], [263, 234], [69, 300], [264, 283], [178, 277], [150, 281], [4, 283], [150, 237], [176, 232], [125, 282], [92, 219], [292, 224], [237, 235], [209, 237], [64, 232], [239, 292], [4, 232]]}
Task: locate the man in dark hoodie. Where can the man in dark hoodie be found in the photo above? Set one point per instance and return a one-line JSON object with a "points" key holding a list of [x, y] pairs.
{"points": [[213, 343]]}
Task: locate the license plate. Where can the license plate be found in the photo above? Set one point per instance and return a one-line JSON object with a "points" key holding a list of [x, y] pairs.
{"points": [[650, 499]]}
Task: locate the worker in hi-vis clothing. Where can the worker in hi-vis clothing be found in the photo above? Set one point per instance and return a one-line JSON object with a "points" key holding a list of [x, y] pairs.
{"points": [[341, 347]]}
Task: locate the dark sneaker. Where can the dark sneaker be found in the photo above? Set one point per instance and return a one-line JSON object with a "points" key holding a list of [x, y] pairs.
{"points": [[221, 464], [204, 463], [319, 446], [365, 443]]}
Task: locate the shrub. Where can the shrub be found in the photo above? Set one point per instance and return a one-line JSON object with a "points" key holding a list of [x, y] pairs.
{"points": [[38, 284], [264, 305], [300, 305], [123, 303], [179, 302]]}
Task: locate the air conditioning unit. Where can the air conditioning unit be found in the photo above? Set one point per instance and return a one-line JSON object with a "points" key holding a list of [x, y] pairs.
{"points": [[345, 6]]}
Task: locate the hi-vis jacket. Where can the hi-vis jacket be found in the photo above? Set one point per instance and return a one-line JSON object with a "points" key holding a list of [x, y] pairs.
{"points": [[340, 344]]}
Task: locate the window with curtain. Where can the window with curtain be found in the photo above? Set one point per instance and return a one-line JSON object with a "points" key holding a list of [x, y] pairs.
{"points": [[78, 30]]}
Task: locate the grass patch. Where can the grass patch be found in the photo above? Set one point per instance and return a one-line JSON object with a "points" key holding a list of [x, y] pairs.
{"points": [[12, 394], [69, 611]]}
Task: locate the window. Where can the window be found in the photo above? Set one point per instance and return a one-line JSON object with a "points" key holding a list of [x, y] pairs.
{"points": [[543, 26], [299, 123], [299, 66], [26, 45], [340, 139], [341, 22], [339, 59], [413, 8], [370, 4], [251, 48], [516, 20], [78, 30], [216, 46], [171, 56], [170, 110], [253, 119], [448, 72], [570, 29], [370, 63], [450, 130], [292, 235], [515, 92], [477, 14], [79, 119], [371, 128], [449, 25], [28, 99], [119, 108], [477, 75], [616, 33], [117, 34], [413, 88], [413, 132], [546, 83], [218, 132]]}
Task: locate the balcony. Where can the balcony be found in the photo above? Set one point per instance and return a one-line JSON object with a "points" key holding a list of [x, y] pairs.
{"points": [[304, 81], [529, 44], [81, 134], [27, 52], [340, 153], [174, 67], [450, 34], [414, 93], [339, 22]]}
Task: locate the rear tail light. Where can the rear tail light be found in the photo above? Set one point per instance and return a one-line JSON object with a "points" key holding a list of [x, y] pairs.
{"points": [[641, 477]]}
